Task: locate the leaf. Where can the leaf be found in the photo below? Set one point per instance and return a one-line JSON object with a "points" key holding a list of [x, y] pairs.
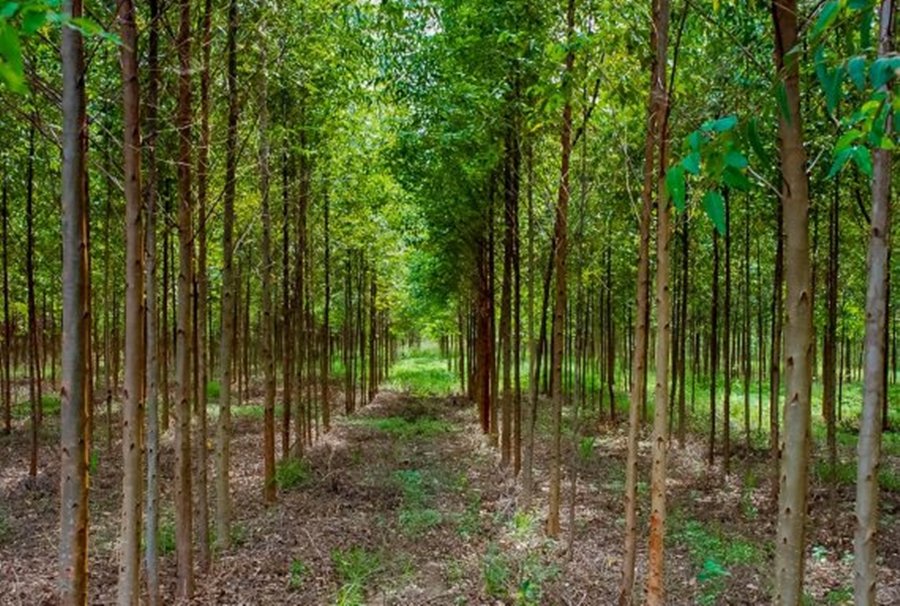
{"points": [[691, 163], [827, 16], [712, 570], [32, 20], [847, 139], [675, 186], [840, 160], [694, 140], [11, 53], [714, 206], [856, 67], [8, 10], [756, 142], [863, 159], [723, 124], [735, 159], [880, 72], [736, 179]]}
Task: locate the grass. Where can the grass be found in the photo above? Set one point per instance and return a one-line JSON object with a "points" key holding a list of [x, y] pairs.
{"points": [[423, 372], [5, 527], [291, 473], [713, 553], [355, 568], [845, 474], [298, 573], [516, 576], [415, 516], [51, 405], [419, 427]]}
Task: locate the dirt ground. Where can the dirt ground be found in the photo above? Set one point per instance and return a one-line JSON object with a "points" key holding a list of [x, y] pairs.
{"points": [[405, 503]]}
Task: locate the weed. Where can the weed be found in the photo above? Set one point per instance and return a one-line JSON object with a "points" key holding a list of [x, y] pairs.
{"points": [[355, 568], [5, 527], [291, 473], [843, 595], [496, 572], [523, 525], [586, 447], [400, 427], [423, 372], [470, 521], [533, 574], [297, 574], [845, 474], [166, 537], [415, 517], [239, 535]]}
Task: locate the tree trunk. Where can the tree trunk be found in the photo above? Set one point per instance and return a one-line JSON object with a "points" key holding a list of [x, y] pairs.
{"points": [[655, 586], [714, 349], [133, 404], [7, 320], [829, 349], [637, 379], [726, 340], [223, 431], [878, 269], [152, 438], [789, 548], [559, 299], [267, 329], [34, 390], [73, 542], [183, 492]]}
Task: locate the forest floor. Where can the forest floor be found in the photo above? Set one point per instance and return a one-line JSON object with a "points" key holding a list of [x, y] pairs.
{"points": [[405, 503]]}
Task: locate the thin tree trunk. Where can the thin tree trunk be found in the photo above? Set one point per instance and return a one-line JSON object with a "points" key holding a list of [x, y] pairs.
{"points": [[559, 299], [7, 319], [133, 405], [183, 490], [714, 349], [655, 586], [33, 370], [223, 431], [878, 269], [726, 340], [829, 349], [790, 542], [73, 543], [151, 552]]}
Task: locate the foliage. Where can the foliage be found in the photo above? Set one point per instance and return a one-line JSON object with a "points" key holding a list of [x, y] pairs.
{"points": [[291, 474], [298, 574], [415, 517], [423, 372], [401, 427], [355, 568]]}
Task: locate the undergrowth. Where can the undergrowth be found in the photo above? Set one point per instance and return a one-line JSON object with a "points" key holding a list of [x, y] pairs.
{"points": [[355, 568]]}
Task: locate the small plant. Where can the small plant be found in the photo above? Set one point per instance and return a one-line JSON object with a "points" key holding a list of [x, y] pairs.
{"points": [[523, 525], [298, 573], [239, 535], [291, 473], [496, 573], [586, 447], [355, 568], [843, 595], [166, 537], [533, 574], [5, 527], [470, 521]]}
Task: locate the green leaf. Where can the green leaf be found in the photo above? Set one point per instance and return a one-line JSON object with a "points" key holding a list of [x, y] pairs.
{"points": [[32, 20], [675, 186], [840, 160], [712, 570], [694, 140], [736, 179], [856, 67], [756, 142], [827, 16], [691, 163], [863, 159], [735, 159], [880, 72], [11, 53], [847, 139], [714, 206], [8, 10], [723, 124]]}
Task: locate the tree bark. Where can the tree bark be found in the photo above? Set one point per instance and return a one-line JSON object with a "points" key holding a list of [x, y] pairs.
{"points": [[73, 543], [789, 548], [133, 405], [559, 299], [878, 269]]}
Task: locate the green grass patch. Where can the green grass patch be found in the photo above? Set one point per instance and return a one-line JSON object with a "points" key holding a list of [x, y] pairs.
{"points": [[423, 372], [516, 577], [297, 574], [355, 568], [423, 426], [5, 527], [713, 553], [845, 473], [415, 516], [291, 473], [51, 405]]}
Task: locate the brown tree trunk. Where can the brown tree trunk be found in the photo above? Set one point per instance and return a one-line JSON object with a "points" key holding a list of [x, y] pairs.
{"points": [[7, 319], [714, 349], [151, 369], [790, 542], [829, 348], [183, 484], [559, 299], [287, 348], [133, 404], [726, 340], [268, 316], [73, 543], [229, 285], [34, 379]]}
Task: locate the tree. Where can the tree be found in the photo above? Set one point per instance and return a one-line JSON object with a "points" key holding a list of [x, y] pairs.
{"points": [[133, 411], [790, 542], [878, 269], [73, 546]]}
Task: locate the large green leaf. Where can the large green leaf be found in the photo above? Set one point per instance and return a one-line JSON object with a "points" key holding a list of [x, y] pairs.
{"points": [[675, 186], [714, 205]]}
